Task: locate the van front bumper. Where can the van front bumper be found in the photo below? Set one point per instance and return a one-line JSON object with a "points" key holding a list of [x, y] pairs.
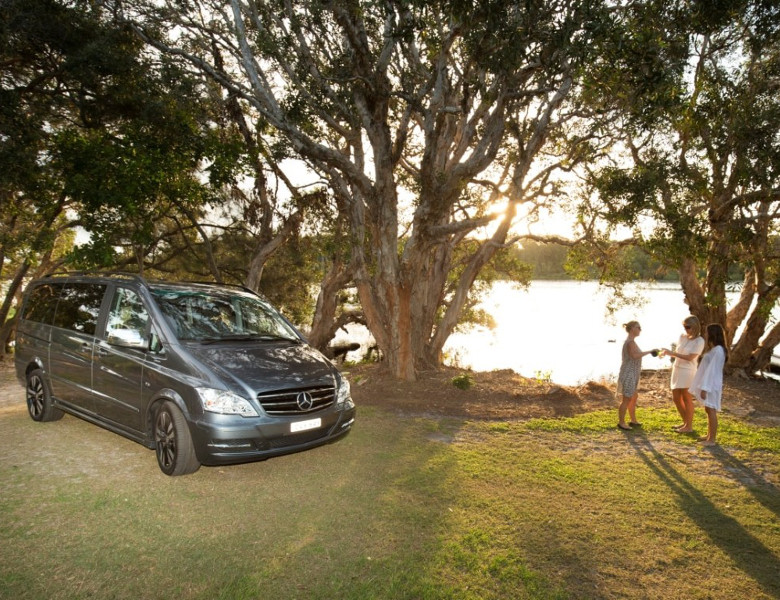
{"points": [[221, 440]]}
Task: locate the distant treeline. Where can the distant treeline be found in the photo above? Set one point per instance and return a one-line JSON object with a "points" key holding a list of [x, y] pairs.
{"points": [[549, 262]]}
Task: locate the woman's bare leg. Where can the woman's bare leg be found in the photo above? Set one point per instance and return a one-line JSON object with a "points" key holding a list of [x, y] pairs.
{"points": [[689, 407], [624, 404], [712, 426], [632, 408], [679, 404]]}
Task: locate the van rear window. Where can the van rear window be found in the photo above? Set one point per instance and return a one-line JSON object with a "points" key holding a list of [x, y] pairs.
{"points": [[79, 307], [42, 302]]}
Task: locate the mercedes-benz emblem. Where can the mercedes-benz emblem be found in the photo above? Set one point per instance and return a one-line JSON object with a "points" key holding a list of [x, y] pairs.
{"points": [[304, 400]]}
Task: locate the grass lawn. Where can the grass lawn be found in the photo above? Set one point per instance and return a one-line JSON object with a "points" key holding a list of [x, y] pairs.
{"points": [[401, 508]]}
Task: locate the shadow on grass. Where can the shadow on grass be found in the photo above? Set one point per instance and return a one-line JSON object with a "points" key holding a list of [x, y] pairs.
{"points": [[748, 553], [762, 490]]}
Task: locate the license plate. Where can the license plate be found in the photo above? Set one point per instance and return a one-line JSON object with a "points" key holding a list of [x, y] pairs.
{"points": [[305, 425]]}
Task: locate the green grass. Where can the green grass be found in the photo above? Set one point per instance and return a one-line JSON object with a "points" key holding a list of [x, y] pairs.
{"points": [[401, 508]]}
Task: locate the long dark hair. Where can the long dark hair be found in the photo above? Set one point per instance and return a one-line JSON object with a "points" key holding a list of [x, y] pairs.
{"points": [[717, 337]]}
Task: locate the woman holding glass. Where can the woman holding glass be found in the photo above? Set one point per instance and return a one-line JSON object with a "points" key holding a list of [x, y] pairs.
{"points": [[689, 348]]}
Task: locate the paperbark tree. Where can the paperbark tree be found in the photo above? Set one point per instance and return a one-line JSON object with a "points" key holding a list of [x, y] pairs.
{"points": [[699, 184], [423, 117]]}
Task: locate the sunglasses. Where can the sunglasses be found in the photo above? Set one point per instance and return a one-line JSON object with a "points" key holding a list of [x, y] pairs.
{"points": [[688, 326]]}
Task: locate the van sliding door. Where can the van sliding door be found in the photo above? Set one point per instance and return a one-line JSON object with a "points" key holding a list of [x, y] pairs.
{"points": [[119, 362], [72, 344]]}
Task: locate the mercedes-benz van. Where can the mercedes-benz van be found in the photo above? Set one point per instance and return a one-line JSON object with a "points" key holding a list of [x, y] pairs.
{"points": [[202, 373]]}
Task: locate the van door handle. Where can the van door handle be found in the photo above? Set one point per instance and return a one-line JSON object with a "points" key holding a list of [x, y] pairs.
{"points": [[102, 351]]}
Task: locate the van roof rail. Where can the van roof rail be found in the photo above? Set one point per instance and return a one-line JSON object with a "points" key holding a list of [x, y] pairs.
{"points": [[116, 274], [212, 283], [137, 277]]}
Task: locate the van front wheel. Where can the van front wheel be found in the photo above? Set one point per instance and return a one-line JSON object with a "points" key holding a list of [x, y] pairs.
{"points": [[173, 442], [39, 403]]}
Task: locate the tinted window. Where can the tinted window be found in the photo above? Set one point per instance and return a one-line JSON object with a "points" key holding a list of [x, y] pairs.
{"points": [[127, 318], [42, 302], [79, 307]]}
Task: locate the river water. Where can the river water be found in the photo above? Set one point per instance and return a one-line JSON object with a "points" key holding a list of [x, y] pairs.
{"points": [[560, 330]]}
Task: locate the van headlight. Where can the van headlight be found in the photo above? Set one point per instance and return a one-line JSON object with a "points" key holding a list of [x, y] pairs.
{"points": [[225, 403], [343, 396]]}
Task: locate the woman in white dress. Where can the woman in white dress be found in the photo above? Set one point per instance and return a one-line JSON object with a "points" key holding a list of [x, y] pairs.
{"points": [[707, 385], [689, 348]]}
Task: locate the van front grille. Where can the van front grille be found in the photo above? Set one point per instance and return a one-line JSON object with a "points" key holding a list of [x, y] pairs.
{"points": [[298, 401]]}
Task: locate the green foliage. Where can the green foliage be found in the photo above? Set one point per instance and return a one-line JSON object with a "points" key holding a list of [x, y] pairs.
{"points": [[99, 128], [638, 62], [585, 261], [464, 381], [693, 172], [290, 277], [543, 376], [546, 260]]}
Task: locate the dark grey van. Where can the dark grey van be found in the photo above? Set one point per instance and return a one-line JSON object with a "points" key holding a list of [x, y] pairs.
{"points": [[203, 373]]}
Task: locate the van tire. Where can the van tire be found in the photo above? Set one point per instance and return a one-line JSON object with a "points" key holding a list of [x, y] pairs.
{"points": [[173, 442], [39, 403]]}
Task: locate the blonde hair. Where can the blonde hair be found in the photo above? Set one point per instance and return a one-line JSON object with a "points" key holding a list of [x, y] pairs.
{"points": [[630, 325], [693, 321]]}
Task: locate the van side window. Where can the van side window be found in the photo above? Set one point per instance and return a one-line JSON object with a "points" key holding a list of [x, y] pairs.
{"points": [[42, 303], [79, 307], [128, 317]]}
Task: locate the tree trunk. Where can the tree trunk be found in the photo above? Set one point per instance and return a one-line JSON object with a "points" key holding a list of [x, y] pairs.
{"points": [[325, 322], [744, 350], [13, 292], [740, 310], [763, 354]]}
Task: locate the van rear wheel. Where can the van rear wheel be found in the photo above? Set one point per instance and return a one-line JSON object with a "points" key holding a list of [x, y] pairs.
{"points": [[39, 403], [173, 442]]}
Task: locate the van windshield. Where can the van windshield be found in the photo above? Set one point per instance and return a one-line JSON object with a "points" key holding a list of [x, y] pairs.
{"points": [[206, 316]]}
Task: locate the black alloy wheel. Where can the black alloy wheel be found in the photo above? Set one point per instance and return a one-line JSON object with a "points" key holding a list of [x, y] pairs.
{"points": [[173, 442], [39, 403]]}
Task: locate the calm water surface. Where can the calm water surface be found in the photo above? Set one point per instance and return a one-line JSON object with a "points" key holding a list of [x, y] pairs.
{"points": [[561, 330]]}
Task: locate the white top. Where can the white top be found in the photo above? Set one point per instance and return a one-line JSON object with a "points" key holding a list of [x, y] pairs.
{"points": [[683, 370], [709, 378]]}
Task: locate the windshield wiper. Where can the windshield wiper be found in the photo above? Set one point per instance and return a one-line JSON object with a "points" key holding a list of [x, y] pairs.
{"points": [[274, 337], [249, 337]]}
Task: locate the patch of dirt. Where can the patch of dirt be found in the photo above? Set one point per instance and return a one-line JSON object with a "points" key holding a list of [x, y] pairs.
{"points": [[505, 395], [11, 391]]}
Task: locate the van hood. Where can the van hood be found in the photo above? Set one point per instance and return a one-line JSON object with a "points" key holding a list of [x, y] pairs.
{"points": [[266, 366]]}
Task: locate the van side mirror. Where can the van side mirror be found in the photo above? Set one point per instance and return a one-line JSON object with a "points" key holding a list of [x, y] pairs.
{"points": [[127, 338]]}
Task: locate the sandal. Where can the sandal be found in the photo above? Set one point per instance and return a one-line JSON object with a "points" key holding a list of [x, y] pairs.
{"points": [[634, 424], [624, 427]]}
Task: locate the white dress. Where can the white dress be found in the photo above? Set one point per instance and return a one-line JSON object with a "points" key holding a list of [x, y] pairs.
{"points": [[683, 371], [709, 378]]}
